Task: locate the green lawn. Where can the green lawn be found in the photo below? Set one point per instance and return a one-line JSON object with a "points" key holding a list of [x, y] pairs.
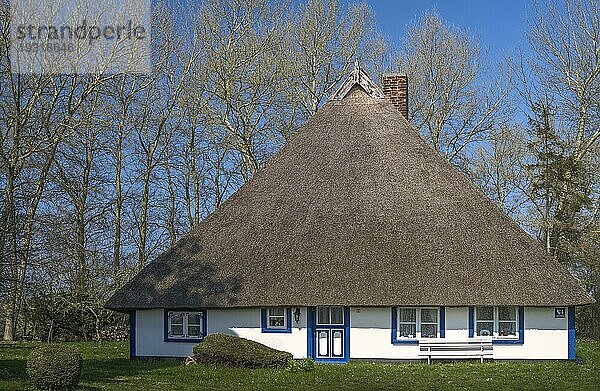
{"points": [[107, 367]]}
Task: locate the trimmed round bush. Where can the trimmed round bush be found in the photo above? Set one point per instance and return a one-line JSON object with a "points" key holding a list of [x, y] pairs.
{"points": [[55, 367], [228, 350]]}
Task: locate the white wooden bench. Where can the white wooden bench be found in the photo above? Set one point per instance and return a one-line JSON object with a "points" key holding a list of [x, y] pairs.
{"points": [[455, 350]]}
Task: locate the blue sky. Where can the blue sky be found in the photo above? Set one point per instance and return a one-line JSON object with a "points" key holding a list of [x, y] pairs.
{"points": [[500, 25]]}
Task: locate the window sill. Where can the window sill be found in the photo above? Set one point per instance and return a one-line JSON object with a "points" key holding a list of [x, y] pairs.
{"points": [[416, 341], [500, 340], [329, 325], [507, 341], [405, 341], [284, 331], [184, 339]]}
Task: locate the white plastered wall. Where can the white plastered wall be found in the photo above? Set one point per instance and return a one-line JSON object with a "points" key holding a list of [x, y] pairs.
{"points": [[370, 333], [245, 323], [544, 338], [149, 336], [457, 323]]}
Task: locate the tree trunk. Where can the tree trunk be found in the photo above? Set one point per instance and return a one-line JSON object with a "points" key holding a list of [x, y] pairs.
{"points": [[80, 219], [11, 304], [21, 261], [144, 217], [170, 189], [190, 168], [116, 264]]}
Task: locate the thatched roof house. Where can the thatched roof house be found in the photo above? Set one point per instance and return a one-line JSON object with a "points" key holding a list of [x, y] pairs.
{"points": [[355, 211]]}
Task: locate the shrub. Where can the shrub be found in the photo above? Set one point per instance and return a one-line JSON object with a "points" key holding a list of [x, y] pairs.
{"points": [[222, 349], [55, 367], [302, 365], [588, 321]]}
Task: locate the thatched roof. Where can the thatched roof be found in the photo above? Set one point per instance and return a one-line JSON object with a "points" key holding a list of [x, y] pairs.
{"points": [[355, 210]]}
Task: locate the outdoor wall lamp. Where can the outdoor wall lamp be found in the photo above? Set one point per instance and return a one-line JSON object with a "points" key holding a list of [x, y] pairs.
{"points": [[297, 314]]}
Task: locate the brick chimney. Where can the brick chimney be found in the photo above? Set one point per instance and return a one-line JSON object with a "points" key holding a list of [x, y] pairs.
{"points": [[395, 88]]}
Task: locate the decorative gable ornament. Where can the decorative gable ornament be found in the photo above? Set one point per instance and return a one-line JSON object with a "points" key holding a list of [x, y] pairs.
{"points": [[358, 76]]}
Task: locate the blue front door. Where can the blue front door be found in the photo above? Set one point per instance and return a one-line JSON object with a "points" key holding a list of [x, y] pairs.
{"points": [[329, 334]]}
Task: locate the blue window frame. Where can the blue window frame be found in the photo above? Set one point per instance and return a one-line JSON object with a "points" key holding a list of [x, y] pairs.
{"points": [[132, 336], [409, 324], [442, 322], [276, 320], [184, 325], [491, 321]]}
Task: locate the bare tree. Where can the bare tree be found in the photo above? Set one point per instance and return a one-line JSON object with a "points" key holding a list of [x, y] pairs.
{"points": [[562, 79], [122, 94], [157, 119], [243, 66], [324, 43], [37, 111], [39, 118], [498, 167], [80, 182], [450, 103], [565, 37]]}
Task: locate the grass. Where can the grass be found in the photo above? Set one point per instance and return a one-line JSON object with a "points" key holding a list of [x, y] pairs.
{"points": [[107, 367]]}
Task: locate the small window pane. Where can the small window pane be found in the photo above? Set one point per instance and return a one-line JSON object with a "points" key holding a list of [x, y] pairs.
{"points": [[177, 318], [507, 329], [485, 329], [429, 330], [194, 331], [485, 313], [408, 330], [323, 315], [276, 311], [276, 322], [337, 315], [176, 329], [194, 319], [429, 315], [507, 313], [408, 315]]}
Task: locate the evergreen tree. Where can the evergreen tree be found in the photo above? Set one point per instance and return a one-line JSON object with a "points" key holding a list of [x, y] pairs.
{"points": [[560, 185]]}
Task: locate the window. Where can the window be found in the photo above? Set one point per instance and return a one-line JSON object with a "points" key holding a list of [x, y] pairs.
{"points": [[484, 319], [330, 315], [507, 321], [194, 325], [416, 323], [429, 322], [276, 320], [496, 321], [184, 326], [407, 322], [337, 315]]}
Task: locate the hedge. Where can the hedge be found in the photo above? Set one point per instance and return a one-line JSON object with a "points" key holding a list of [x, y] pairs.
{"points": [[228, 350]]}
